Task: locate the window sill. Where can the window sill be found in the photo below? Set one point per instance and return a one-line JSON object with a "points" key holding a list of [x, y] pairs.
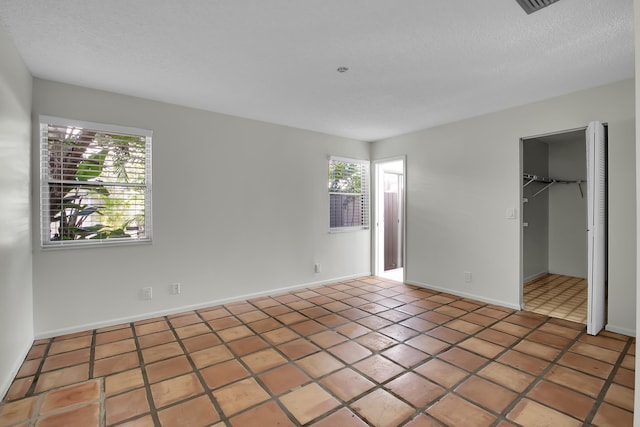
{"points": [[96, 244], [347, 230]]}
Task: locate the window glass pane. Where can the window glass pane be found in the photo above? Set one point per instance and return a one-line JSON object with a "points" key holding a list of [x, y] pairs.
{"points": [[345, 210], [95, 185], [348, 194], [345, 177]]}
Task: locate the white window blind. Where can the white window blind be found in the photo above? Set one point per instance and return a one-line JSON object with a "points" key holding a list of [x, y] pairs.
{"points": [[95, 183], [348, 194]]}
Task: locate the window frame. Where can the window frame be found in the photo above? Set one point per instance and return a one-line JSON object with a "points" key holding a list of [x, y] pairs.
{"points": [[365, 205], [45, 233]]}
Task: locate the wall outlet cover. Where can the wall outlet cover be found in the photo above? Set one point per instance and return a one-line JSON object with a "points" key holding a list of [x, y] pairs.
{"points": [[175, 288]]}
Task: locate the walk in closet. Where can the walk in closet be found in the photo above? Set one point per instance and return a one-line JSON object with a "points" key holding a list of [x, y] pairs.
{"points": [[554, 220]]}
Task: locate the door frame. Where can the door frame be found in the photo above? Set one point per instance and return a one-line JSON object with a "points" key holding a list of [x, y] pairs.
{"points": [[521, 216], [377, 249]]}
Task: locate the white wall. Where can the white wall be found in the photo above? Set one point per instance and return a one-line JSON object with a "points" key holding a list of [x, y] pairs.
{"points": [[568, 209], [240, 207], [636, 258], [535, 212], [16, 307], [462, 177]]}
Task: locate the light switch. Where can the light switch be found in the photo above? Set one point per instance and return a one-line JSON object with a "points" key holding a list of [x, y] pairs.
{"points": [[511, 213]]}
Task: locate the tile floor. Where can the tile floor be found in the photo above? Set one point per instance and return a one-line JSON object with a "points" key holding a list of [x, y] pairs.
{"points": [[554, 295], [367, 352]]}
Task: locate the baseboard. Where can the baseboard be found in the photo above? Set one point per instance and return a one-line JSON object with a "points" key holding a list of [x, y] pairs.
{"points": [[534, 276], [174, 310], [11, 374], [465, 295], [618, 330]]}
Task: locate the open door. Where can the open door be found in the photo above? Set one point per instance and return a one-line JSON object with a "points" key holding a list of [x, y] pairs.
{"points": [[392, 223], [389, 242], [596, 221]]}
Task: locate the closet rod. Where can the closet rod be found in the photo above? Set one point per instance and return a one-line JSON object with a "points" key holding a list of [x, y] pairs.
{"points": [[547, 180]]}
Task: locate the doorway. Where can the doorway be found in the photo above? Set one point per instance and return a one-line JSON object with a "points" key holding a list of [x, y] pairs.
{"points": [[389, 250], [558, 232]]}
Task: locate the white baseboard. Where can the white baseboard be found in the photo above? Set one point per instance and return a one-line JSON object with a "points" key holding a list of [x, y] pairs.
{"points": [[174, 310], [618, 330], [5, 383], [534, 276], [465, 295]]}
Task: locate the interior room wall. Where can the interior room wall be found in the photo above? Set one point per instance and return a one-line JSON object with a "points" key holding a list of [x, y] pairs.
{"points": [[535, 212], [240, 208], [568, 209], [635, 259], [621, 218], [16, 306], [464, 176]]}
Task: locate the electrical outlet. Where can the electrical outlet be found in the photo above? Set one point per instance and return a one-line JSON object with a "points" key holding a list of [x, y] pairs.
{"points": [[318, 267], [467, 276], [147, 293], [175, 289]]}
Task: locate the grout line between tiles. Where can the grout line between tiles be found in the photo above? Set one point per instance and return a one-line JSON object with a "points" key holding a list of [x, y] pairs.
{"points": [[207, 391], [453, 388], [376, 323], [608, 382], [103, 397], [316, 380], [540, 377], [255, 376], [145, 379], [36, 377]]}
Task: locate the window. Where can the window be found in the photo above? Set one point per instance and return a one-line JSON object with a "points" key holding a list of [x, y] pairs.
{"points": [[348, 194], [95, 183]]}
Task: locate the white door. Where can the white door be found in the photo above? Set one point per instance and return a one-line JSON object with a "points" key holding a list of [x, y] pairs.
{"points": [[596, 217]]}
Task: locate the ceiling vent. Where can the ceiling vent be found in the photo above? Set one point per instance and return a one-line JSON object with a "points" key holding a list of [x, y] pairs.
{"points": [[531, 6]]}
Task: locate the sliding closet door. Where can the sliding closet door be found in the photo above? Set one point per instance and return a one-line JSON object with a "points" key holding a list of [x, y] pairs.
{"points": [[596, 226]]}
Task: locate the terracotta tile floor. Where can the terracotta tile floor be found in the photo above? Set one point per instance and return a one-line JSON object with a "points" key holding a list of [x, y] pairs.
{"points": [[367, 352], [554, 295]]}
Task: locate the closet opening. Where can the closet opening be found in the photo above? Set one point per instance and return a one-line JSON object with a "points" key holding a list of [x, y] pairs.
{"points": [[389, 241], [558, 260]]}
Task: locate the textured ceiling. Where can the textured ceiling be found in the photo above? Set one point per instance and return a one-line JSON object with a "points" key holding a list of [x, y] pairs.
{"points": [[412, 64]]}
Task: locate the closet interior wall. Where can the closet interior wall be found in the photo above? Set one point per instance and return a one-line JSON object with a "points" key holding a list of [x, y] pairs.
{"points": [[568, 209], [555, 237], [535, 211]]}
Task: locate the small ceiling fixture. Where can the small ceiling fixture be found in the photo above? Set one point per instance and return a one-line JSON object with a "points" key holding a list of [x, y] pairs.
{"points": [[342, 69], [531, 6]]}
